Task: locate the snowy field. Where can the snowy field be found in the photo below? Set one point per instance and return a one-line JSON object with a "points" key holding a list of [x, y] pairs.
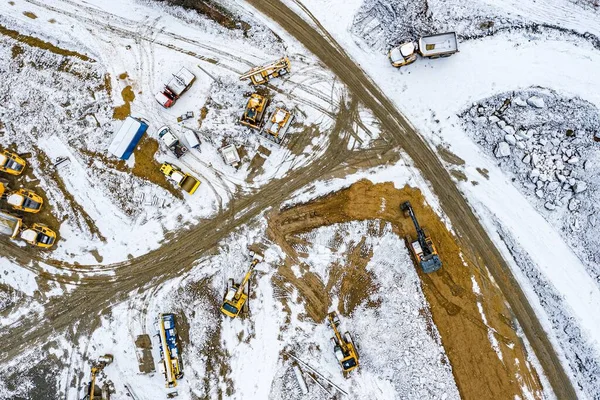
{"points": [[528, 167], [521, 49]]}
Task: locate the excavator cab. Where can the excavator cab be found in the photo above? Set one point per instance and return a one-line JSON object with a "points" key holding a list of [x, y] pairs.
{"points": [[343, 346], [255, 111], [235, 296], [422, 249], [11, 163]]}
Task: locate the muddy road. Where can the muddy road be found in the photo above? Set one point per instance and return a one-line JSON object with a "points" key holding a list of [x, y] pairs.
{"points": [[473, 239]]}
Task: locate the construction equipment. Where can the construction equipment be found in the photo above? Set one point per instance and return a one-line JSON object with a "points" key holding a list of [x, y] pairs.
{"points": [[185, 181], [185, 116], [235, 297], [277, 125], [262, 74], [22, 199], [39, 235], [172, 141], [179, 83], [11, 163], [422, 249], [255, 111], [92, 390], [342, 345], [431, 46], [169, 351]]}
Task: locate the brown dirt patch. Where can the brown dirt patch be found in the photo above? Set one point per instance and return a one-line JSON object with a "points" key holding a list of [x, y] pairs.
{"points": [[29, 14], [449, 156], [459, 175], [121, 112], [16, 51], [123, 76], [214, 11], [52, 20], [35, 42], [478, 371], [143, 350], [256, 167], [484, 172]]}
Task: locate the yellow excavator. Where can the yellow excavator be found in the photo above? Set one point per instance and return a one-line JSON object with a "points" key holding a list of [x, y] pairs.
{"points": [[11, 163], [422, 249], [343, 346], [261, 75], [94, 392], [22, 199], [235, 298], [255, 111]]}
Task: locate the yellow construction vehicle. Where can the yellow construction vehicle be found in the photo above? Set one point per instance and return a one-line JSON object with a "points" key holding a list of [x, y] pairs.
{"points": [[235, 297], [422, 249], [255, 111], [39, 235], [185, 181], [342, 345], [93, 391], [11, 163], [22, 199], [262, 74], [278, 124]]}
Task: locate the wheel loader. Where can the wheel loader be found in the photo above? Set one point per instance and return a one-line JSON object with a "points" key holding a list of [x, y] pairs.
{"points": [[22, 199], [236, 296], [255, 111], [92, 391], [343, 346], [422, 249], [262, 74], [11, 163]]}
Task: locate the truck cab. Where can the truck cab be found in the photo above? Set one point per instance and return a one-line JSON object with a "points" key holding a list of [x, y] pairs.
{"points": [[403, 55], [177, 85], [172, 141], [39, 235]]}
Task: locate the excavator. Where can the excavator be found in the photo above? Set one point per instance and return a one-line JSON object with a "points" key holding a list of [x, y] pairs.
{"points": [[255, 111], [22, 199], [342, 345], [235, 297], [11, 163], [262, 74], [92, 391], [422, 249]]}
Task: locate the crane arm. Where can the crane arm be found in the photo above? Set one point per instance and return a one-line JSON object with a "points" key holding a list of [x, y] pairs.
{"points": [[240, 289]]}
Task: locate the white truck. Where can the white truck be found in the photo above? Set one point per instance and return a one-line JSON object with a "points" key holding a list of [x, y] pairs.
{"points": [[172, 142], [179, 83], [432, 46]]}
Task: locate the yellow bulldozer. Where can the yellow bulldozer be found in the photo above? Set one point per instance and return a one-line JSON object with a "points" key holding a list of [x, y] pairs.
{"points": [[236, 295], [262, 74], [343, 346], [422, 249], [255, 111], [93, 391], [11, 163], [22, 199]]}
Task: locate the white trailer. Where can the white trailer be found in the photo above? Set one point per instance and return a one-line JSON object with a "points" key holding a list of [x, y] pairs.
{"points": [[438, 45], [9, 225]]}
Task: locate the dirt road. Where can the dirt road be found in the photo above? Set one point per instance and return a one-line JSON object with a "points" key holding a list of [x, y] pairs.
{"points": [[473, 238]]}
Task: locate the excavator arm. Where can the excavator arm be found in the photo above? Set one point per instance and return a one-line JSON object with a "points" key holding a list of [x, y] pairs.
{"points": [[240, 288], [421, 237]]}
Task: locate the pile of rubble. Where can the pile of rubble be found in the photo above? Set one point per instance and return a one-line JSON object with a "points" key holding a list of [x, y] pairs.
{"points": [[550, 160], [551, 146]]}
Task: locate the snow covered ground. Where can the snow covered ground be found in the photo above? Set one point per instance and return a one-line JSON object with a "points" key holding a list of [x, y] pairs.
{"points": [[65, 109], [553, 45]]}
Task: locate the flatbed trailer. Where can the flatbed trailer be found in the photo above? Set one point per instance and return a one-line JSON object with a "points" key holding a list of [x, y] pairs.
{"points": [[169, 351]]}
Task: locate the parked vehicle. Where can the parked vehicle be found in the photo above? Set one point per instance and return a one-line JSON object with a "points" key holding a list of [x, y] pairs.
{"points": [[179, 83], [185, 116], [192, 139], [185, 181], [432, 46], [11, 163], [172, 141]]}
